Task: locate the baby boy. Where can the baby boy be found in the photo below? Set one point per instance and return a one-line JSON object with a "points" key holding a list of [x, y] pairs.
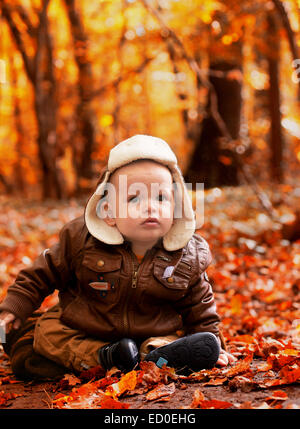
{"points": [[130, 274]]}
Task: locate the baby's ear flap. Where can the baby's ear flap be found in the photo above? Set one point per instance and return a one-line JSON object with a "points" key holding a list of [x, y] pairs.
{"points": [[105, 212]]}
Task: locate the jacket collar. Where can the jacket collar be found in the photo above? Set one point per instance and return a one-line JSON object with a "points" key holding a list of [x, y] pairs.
{"points": [[158, 245]]}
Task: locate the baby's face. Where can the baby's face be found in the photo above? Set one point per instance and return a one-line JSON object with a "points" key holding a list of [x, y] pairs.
{"points": [[143, 190]]}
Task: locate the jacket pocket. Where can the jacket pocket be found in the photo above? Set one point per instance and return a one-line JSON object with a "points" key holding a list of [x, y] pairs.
{"points": [[100, 276], [100, 263], [178, 278], [175, 281]]}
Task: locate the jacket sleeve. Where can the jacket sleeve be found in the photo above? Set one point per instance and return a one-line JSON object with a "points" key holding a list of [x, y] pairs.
{"points": [[198, 307], [51, 270]]}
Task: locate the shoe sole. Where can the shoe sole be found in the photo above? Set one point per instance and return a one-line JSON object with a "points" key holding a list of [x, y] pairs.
{"points": [[193, 352]]}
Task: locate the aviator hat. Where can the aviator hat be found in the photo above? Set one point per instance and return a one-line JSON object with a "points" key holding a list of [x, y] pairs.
{"points": [[132, 149]]}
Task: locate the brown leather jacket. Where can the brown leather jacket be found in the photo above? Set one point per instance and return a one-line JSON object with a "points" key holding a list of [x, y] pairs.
{"points": [[104, 292]]}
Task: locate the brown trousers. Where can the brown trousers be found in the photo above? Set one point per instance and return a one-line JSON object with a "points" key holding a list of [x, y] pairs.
{"points": [[73, 349]]}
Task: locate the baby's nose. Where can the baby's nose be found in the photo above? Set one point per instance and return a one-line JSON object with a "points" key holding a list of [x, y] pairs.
{"points": [[151, 206]]}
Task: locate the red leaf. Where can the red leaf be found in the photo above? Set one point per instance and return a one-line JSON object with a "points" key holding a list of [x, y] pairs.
{"points": [[106, 381], [110, 403], [290, 375], [197, 398], [69, 380], [215, 404], [278, 395], [199, 401], [93, 373], [5, 397]]}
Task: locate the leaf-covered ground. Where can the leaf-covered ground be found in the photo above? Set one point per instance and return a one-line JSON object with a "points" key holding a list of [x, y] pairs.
{"points": [[255, 274]]}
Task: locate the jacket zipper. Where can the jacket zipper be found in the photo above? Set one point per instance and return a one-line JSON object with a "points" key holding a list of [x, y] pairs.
{"points": [[134, 279], [164, 258], [133, 286]]}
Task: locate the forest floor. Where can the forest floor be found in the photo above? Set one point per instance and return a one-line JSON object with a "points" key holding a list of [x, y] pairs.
{"points": [[255, 274]]}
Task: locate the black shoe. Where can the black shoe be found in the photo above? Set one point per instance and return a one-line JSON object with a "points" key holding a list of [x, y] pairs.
{"points": [[123, 354], [191, 353]]}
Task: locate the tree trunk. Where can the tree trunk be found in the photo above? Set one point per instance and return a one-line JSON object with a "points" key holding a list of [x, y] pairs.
{"points": [[117, 101], [19, 173], [276, 139], [45, 108], [85, 139], [39, 70], [211, 163]]}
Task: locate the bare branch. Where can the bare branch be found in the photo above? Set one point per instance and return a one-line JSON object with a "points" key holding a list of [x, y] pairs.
{"points": [[40, 41], [24, 16], [287, 25], [116, 81]]}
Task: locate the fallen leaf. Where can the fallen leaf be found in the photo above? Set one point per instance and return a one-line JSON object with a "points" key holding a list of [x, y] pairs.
{"points": [[110, 403], [197, 398], [240, 382], [214, 404], [160, 391], [218, 381], [199, 401], [240, 367], [69, 380], [106, 381], [278, 395], [9, 380], [5, 397], [127, 382], [93, 373], [246, 405], [151, 373]]}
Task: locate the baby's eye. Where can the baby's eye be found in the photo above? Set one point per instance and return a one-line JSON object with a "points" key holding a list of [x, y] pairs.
{"points": [[134, 199], [162, 197]]}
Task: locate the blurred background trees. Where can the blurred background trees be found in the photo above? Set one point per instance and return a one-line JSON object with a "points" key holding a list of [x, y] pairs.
{"points": [[214, 78]]}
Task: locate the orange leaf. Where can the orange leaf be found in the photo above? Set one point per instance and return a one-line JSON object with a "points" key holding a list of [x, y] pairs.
{"points": [[160, 391], [5, 397], [215, 382], [279, 395], [249, 339], [236, 304], [151, 373], [199, 401], [110, 403], [241, 366], [127, 382], [290, 375], [197, 398]]}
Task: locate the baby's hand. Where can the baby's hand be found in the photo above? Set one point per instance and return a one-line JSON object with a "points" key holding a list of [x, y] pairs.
{"points": [[225, 358], [9, 320]]}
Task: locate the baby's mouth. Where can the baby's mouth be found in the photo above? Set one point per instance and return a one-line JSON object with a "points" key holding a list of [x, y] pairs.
{"points": [[151, 221]]}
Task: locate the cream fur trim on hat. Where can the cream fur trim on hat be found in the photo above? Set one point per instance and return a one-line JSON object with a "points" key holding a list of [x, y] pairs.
{"points": [[131, 149]]}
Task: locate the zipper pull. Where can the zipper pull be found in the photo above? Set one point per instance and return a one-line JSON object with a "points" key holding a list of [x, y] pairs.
{"points": [[164, 258], [134, 280]]}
